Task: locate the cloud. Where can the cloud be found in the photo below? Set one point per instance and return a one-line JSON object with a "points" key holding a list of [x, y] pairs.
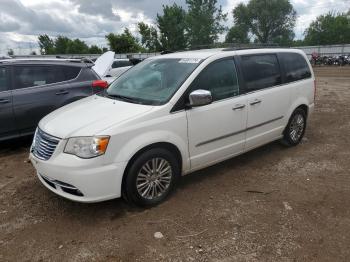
{"points": [[21, 21], [93, 7]]}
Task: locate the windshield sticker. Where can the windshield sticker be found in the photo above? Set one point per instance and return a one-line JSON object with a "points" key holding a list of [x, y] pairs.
{"points": [[190, 60]]}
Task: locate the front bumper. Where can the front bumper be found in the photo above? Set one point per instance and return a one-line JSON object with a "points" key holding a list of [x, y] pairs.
{"points": [[81, 180]]}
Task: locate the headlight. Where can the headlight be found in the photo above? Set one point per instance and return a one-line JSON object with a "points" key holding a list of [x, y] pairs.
{"points": [[87, 147]]}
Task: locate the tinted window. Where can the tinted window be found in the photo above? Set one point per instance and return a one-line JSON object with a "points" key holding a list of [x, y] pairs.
{"points": [[28, 76], [70, 72], [260, 71], [220, 78], [121, 63], [3, 79], [295, 66]]}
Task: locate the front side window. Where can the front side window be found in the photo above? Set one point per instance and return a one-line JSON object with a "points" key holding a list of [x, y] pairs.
{"points": [[153, 81], [3, 79], [220, 78], [261, 71], [31, 75], [295, 66]]}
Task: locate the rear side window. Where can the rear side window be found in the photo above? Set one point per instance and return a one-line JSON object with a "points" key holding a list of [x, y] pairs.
{"points": [[121, 63], [220, 78], [31, 75], [260, 71], [296, 67], [3, 79]]}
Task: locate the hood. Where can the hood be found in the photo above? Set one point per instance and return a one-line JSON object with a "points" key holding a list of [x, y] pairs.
{"points": [[90, 116], [103, 63]]}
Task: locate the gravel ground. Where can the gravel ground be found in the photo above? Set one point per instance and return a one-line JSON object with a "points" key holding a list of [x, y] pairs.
{"points": [[271, 204]]}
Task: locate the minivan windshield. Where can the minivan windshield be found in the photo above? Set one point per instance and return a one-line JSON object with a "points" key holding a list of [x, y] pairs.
{"points": [[153, 81]]}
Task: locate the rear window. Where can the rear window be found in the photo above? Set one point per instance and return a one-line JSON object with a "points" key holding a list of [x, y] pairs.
{"points": [[296, 67], [33, 75], [29, 76], [260, 71]]}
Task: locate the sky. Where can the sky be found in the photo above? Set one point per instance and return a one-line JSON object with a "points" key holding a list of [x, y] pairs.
{"points": [[21, 21]]}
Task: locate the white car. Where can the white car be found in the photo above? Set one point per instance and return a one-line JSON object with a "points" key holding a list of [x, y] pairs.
{"points": [[109, 68], [169, 116], [119, 66]]}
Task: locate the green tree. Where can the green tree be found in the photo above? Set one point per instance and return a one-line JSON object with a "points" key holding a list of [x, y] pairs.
{"points": [[237, 34], [94, 49], [203, 22], [329, 29], [123, 43], [77, 46], [10, 52], [172, 28], [267, 21], [46, 44], [61, 44], [149, 37]]}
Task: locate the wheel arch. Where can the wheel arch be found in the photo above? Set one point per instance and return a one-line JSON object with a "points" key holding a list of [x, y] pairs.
{"points": [[165, 145]]}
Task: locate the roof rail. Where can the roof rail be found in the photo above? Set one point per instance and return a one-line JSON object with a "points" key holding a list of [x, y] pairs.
{"points": [[233, 47], [84, 60]]}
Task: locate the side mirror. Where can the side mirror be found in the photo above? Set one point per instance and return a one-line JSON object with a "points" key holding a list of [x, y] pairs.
{"points": [[200, 97]]}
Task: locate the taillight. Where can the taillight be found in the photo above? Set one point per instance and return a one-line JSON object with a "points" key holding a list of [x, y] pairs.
{"points": [[314, 90], [100, 83]]}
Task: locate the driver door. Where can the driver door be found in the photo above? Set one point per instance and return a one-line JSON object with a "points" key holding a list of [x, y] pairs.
{"points": [[217, 131]]}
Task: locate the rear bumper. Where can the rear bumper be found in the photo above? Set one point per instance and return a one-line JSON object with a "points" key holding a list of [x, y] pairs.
{"points": [[84, 184]]}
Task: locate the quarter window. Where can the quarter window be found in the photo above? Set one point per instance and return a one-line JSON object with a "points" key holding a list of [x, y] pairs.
{"points": [[3, 79], [70, 72], [220, 78], [261, 71], [295, 66]]}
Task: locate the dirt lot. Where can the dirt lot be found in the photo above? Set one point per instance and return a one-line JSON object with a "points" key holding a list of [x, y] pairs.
{"points": [[271, 204]]}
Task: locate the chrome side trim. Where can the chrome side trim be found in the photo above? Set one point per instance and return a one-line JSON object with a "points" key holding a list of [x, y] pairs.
{"points": [[220, 137], [238, 132], [264, 123]]}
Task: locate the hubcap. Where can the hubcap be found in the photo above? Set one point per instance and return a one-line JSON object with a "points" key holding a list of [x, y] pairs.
{"points": [[154, 178], [296, 127]]}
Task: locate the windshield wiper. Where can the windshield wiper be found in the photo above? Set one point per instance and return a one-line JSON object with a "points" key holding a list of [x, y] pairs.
{"points": [[124, 98]]}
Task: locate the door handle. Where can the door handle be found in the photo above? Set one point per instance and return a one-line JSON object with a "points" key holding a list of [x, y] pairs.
{"points": [[4, 101], [255, 102], [62, 92], [238, 106]]}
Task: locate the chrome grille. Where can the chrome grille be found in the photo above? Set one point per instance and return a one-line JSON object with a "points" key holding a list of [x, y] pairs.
{"points": [[44, 145]]}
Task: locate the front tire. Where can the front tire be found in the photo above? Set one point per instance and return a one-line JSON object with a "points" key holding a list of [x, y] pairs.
{"points": [[295, 129], [151, 177]]}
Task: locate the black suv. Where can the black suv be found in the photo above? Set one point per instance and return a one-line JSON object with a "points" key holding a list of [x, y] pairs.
{"points": [[30, 89]]}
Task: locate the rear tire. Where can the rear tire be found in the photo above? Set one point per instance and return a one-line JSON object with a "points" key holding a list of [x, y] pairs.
{"points": [[295, 129], [151, 177]]}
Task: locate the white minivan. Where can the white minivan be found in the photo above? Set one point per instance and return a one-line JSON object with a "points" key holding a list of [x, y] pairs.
{"points": [[169, 116]]}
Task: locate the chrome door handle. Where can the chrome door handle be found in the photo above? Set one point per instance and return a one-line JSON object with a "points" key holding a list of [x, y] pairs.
{"points": [[256, 101], [4, 101], [62, 92], [238, 106]]}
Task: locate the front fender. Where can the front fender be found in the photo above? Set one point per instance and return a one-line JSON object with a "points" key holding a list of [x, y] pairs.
{"points": [[134, 145]]}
